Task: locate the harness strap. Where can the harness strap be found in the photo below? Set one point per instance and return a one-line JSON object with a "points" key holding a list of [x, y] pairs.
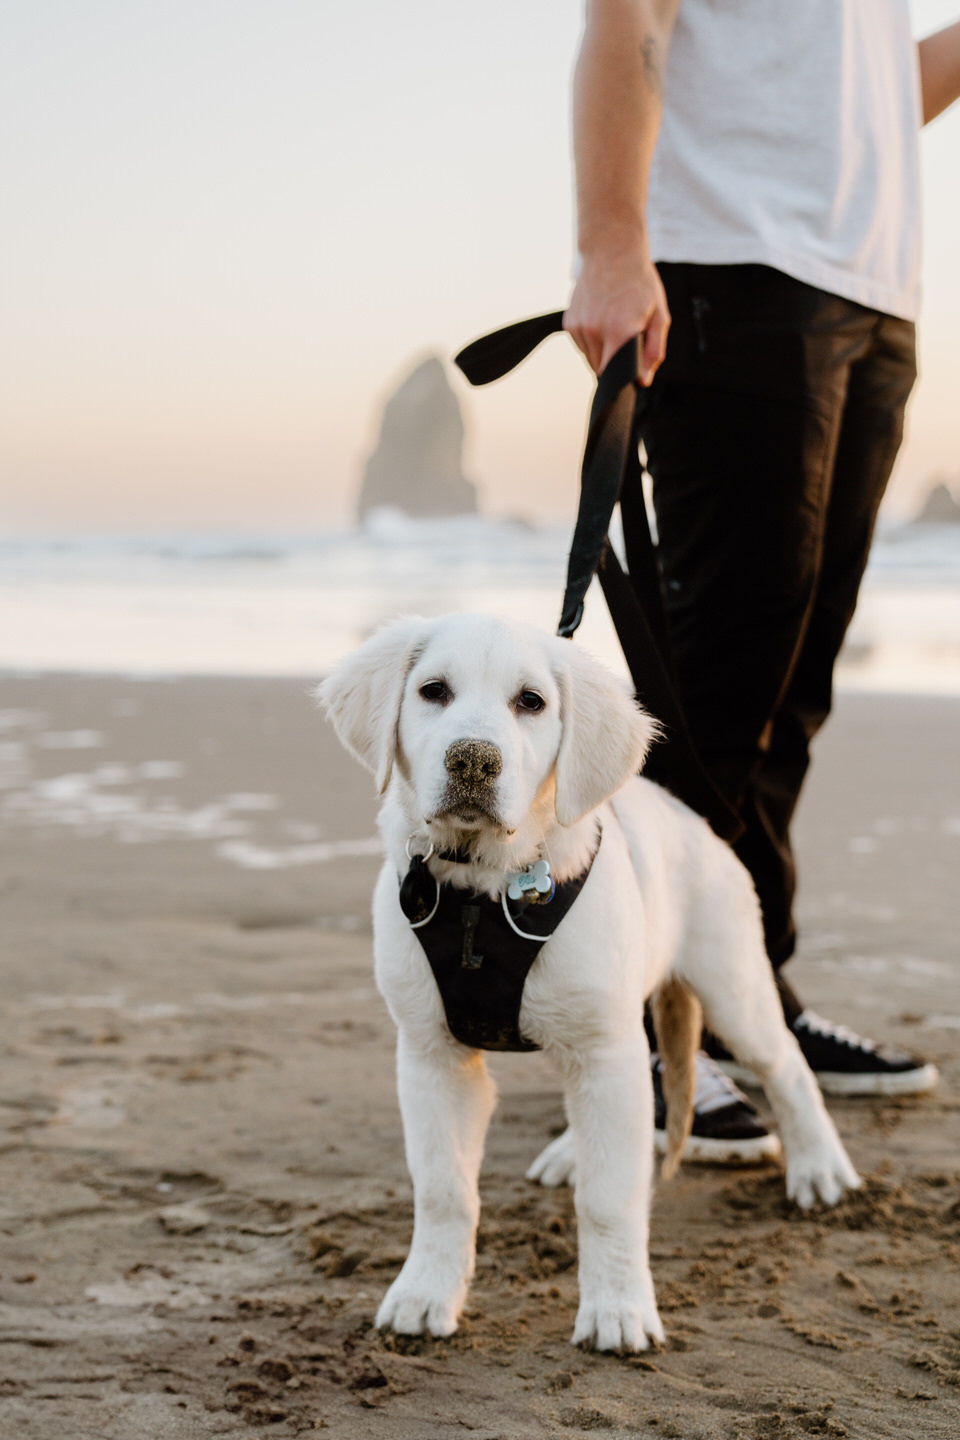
{"points": [[611, 471]]}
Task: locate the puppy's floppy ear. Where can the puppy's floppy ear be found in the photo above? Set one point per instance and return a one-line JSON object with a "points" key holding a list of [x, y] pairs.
{"points": [[363, 695], [605, 736]]}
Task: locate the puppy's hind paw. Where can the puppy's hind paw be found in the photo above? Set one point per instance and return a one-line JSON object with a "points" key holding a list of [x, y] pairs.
{"points": [[625, 1328], [556, 1165], [413, 1307]]}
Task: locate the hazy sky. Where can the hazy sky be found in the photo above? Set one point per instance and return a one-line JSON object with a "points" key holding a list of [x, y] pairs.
{"points": [[230, 226]]}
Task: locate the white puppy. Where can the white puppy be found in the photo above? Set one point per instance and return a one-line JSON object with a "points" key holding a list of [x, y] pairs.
{"points": [[512, 746]]}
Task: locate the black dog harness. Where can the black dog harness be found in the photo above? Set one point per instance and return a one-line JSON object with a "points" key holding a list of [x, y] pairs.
{"points": [[481, 951]]}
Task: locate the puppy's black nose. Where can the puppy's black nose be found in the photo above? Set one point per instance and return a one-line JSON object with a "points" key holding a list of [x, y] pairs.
{"points": [[473, 762]]}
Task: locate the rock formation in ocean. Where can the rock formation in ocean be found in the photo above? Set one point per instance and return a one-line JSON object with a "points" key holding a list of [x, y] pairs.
{"points": [[940, 507], [416, 466]]}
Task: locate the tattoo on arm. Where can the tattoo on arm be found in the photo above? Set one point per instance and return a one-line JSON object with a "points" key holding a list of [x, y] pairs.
{"points": [[651, 64]]}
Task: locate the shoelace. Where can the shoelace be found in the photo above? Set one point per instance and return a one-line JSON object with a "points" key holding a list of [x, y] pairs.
{"points": [[842, 1034], [715, 1090]]}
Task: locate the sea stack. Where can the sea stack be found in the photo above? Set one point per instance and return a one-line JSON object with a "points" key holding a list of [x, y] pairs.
{"points": [[940, 507], [416, 466]]}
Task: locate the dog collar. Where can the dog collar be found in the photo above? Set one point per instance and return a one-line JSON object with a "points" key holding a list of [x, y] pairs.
{"points": [[420, 891], [455, 857]]}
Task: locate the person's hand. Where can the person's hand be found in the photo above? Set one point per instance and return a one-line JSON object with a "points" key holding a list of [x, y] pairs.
{"points": [[616, 297]]}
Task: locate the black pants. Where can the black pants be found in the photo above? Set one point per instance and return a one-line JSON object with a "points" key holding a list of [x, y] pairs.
{"points": [[778, 415]]}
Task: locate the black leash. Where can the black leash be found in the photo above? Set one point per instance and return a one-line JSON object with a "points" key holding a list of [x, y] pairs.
{"points": [[611, 472]]}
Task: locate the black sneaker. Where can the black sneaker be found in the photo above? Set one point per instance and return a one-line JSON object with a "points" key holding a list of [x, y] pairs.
{"points": [[847, 1064], [844, 1062], [725, 1125]]}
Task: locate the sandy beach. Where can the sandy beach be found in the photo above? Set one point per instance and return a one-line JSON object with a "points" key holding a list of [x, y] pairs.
{"points": [[204, 1186]]}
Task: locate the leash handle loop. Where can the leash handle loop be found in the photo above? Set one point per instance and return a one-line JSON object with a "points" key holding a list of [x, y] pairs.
{"points": [[495, 355]]}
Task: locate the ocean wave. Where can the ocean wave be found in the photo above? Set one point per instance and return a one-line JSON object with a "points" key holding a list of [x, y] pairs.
{"points": [[295, 603]]}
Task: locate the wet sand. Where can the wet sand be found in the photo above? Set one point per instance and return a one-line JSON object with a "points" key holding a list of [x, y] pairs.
{"points": [[204, 1187]]}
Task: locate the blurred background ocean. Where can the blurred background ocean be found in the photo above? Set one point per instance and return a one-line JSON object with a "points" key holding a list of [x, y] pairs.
{"points": [[250, 604]]}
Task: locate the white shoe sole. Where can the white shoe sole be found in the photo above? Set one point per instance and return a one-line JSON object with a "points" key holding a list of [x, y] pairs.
{"points": [[703, 1151], [898, 1082], [835, 1082]]}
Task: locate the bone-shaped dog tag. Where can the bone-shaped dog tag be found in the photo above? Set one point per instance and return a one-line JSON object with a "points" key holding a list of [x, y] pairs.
{"points": [[535, 884]]}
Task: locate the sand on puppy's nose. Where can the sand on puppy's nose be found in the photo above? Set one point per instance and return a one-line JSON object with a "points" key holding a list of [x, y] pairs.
{"points": [[473, 763]]}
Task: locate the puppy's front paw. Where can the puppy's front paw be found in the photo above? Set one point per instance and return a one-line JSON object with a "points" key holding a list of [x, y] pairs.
{"points": [[625, 1324], [821, 1173], [556, 1164], [418, 1302]]}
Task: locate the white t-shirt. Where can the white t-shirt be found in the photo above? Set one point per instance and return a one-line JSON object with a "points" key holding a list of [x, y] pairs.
{"points": [[790, 137]]}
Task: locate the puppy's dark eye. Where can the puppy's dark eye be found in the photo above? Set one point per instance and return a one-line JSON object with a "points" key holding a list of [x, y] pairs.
{"points": [[530, 701], [435, 690]]}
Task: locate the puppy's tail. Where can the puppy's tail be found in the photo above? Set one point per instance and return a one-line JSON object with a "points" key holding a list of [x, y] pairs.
{"points": [[678, 1019]]}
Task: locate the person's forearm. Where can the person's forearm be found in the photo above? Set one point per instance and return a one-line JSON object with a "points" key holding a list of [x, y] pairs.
{"points": [[939, 70], [616, 116]]}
